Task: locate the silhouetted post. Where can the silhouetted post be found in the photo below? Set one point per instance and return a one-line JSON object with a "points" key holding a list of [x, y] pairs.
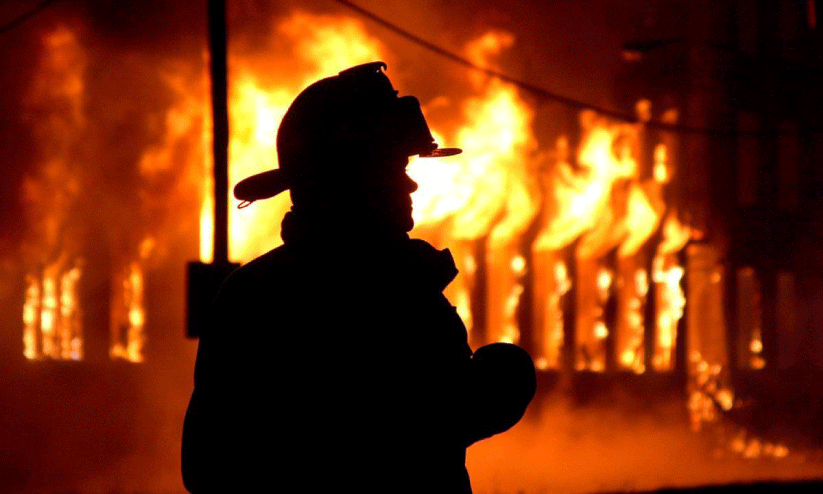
{"points": [[204, 280], [220, 119], [569, 308]]}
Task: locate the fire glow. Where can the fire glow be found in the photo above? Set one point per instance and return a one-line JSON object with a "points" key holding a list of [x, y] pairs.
{"points": [[606, 242], [589, 241], [52, 317], [596, 210], [490, 195]]}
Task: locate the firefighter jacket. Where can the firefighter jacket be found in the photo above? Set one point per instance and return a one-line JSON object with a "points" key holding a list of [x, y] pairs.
{"points": [[336, 362]]}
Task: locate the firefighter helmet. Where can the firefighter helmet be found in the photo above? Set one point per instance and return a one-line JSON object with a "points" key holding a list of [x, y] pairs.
{"points": [[354, 116]]}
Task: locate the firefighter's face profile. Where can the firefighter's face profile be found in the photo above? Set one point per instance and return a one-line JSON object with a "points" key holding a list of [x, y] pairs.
{"points": [[387, 194]]}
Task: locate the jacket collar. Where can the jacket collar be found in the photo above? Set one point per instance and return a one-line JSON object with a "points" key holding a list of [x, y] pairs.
{"points": [[414, 260]]}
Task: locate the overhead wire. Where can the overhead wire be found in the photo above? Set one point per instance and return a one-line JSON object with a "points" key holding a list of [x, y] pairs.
{"points": [[522, 84], [25, 16], [559, 98]]}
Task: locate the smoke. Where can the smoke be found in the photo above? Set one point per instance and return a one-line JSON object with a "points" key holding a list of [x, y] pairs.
{"points": [[103, 429], [621, 439]]}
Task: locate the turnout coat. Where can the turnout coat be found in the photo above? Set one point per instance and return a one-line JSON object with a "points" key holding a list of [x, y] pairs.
{"points": [[330, 364]]}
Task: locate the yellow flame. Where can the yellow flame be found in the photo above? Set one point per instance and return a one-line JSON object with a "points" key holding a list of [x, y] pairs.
{"points": [[51, 314], [631, 349], [323, 46], [553, 284], [756, 346], [640, 222], [48, 316], [661, 163], [31, 318], [708, 394], [497, 142], [600, 330], [604, 283], [518, 265], [675, 235], [487, 190], [581, 195], [129, 319], [562, 284], [671, 301], [71, 341], [495, 134]]}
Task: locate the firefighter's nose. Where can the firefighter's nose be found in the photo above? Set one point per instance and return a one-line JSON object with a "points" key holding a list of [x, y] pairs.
{"points": [[411, 185]]}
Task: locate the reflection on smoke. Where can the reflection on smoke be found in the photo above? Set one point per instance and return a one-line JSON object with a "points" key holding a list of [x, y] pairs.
{"points": [[625, 442]]}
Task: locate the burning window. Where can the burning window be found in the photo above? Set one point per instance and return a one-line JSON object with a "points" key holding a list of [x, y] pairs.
{"points": [[585, 232], [52, 321], [52, 317]]}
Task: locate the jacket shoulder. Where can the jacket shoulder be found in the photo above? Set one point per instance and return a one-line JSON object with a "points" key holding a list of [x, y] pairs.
{"points": [[257, 270]]}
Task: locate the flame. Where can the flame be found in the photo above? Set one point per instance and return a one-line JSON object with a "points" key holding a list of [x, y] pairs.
{"points": [[605, 203], [675, 235], [498, 143], [31, 319], [495, 134], [52, 320], [661, 159], [641, 219], [323, 46], [51, 314], [129, 317], [495, 141], [553, 283], [667, 273], [601, 199], [630, 345], [671, 300], [709, 395], [581, 196], [252, 149]]}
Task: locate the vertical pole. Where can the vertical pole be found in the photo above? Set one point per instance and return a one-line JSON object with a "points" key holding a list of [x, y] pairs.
{"points": [[220, 119], [569, 304]]}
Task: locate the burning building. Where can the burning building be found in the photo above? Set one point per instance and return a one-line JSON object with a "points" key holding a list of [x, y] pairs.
{"points": [[650, 236]]}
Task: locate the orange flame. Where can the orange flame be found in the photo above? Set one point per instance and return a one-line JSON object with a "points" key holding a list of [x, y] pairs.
{"points": [[323, 46], [52, 321], [496, 137], [51, 314], [129, 317], [489, 192], [485, 191]]}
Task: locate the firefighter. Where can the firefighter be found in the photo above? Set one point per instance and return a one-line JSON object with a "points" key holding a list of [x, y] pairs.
{"points": [[334, 362]]}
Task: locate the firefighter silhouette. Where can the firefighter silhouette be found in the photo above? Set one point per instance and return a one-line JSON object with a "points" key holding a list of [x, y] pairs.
{"points": [[335, 361]]}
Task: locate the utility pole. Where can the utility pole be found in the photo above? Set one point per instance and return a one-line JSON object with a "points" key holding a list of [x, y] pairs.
{"points": [[220, 119], [204, 280]]}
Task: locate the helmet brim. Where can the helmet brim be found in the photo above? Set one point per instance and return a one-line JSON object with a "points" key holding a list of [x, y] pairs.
{"points": [[270, 183], [441, 152], [261, 186]]}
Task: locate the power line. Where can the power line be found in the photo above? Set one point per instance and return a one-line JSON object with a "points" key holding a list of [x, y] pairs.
{"points": [[499, 75], [25, 16], [550, 95]]}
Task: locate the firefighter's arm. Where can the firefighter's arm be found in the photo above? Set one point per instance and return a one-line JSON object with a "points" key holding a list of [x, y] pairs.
{"points": [[500, 382]]}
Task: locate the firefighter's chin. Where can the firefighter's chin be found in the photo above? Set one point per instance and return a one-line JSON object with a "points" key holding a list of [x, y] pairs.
{"points": [[400, 222], [406, 218], [408, 225]]}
